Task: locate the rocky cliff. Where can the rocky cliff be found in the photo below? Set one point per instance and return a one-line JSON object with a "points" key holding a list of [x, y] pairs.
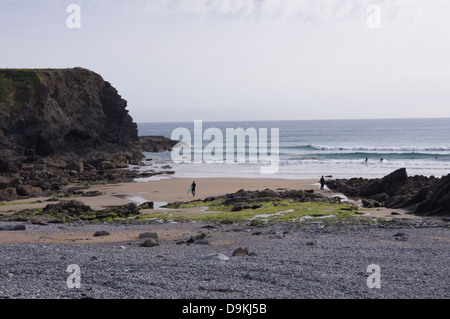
{"points": [[55, 123]]}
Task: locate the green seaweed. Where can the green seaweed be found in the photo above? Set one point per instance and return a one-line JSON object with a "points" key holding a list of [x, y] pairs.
{"points": [[281, 211], [17, 203]]}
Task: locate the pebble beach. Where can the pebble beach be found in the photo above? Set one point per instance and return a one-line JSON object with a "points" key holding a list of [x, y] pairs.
{"points": [[201, 260]]}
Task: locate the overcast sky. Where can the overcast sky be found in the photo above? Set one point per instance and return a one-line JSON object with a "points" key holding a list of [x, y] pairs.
{"points": [[181, 60]]}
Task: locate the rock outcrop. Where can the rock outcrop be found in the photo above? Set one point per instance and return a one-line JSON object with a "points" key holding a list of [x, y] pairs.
{"points": [[59, 125], [419, 194], [245, 199], [156, 144], [437, 201]]}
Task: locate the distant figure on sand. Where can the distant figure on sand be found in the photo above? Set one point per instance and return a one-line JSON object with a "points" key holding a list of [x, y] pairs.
{"points": [[193, 186], [322, 182]]}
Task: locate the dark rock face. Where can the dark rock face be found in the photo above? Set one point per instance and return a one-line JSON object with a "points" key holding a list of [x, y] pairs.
{"points": [[388, 184], [156, 143], [438, 200], [59, 125], [72, 110], [422, 195], [63, 112]]}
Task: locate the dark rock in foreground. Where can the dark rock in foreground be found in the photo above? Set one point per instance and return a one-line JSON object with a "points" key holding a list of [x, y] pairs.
{"points": [[101, 233], [388, 184], [67, 211], [12, 228], [422, 195], [438, 202]]}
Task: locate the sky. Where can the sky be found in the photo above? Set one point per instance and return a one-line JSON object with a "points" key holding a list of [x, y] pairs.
{"points": [[246, 60]]}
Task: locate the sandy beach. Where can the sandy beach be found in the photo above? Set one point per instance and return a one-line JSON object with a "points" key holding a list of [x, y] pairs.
{"points": [[161, 192], [168, 190], [197, 259], [175, 189]]}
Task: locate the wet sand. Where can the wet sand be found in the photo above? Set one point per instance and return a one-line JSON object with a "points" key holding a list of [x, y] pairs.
{"points": [[169, 191], [160, 192]]}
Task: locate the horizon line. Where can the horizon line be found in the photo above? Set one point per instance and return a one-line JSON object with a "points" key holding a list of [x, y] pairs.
{"points": [[304, 120]]}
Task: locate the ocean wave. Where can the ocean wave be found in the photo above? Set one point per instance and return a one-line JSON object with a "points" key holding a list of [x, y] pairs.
{"points": [[361, 156], [380, 148], [299, 158], [367, 148]]}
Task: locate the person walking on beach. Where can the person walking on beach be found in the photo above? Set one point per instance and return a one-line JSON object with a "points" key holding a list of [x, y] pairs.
{"points": [[193, 186], [322, 182]]}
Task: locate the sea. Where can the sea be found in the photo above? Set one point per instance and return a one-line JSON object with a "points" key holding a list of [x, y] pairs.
{"points": [[309, 149]]}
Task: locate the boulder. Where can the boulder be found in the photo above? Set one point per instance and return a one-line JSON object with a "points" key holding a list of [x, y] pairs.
{"points": [[154, 235], [388, 184], [107, 165], [101, 233], [8, 194], [71, 206], [28, 191], [200, 236], [13, 227], [146, 205], [240, 251], [438, 203], [4, 182], [76, 165], [127, 210], [150, 243], [424, 195], [202, 242]]}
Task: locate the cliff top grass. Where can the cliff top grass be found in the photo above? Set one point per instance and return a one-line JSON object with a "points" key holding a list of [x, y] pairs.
{"points": [[19, 86], [21, 71]]}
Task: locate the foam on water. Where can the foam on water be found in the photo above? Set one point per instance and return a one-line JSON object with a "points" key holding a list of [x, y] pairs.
{"points": [[310, 149]]}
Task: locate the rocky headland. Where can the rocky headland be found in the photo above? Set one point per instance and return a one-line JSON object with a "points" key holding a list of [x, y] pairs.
{"points": [[60, 126]]}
